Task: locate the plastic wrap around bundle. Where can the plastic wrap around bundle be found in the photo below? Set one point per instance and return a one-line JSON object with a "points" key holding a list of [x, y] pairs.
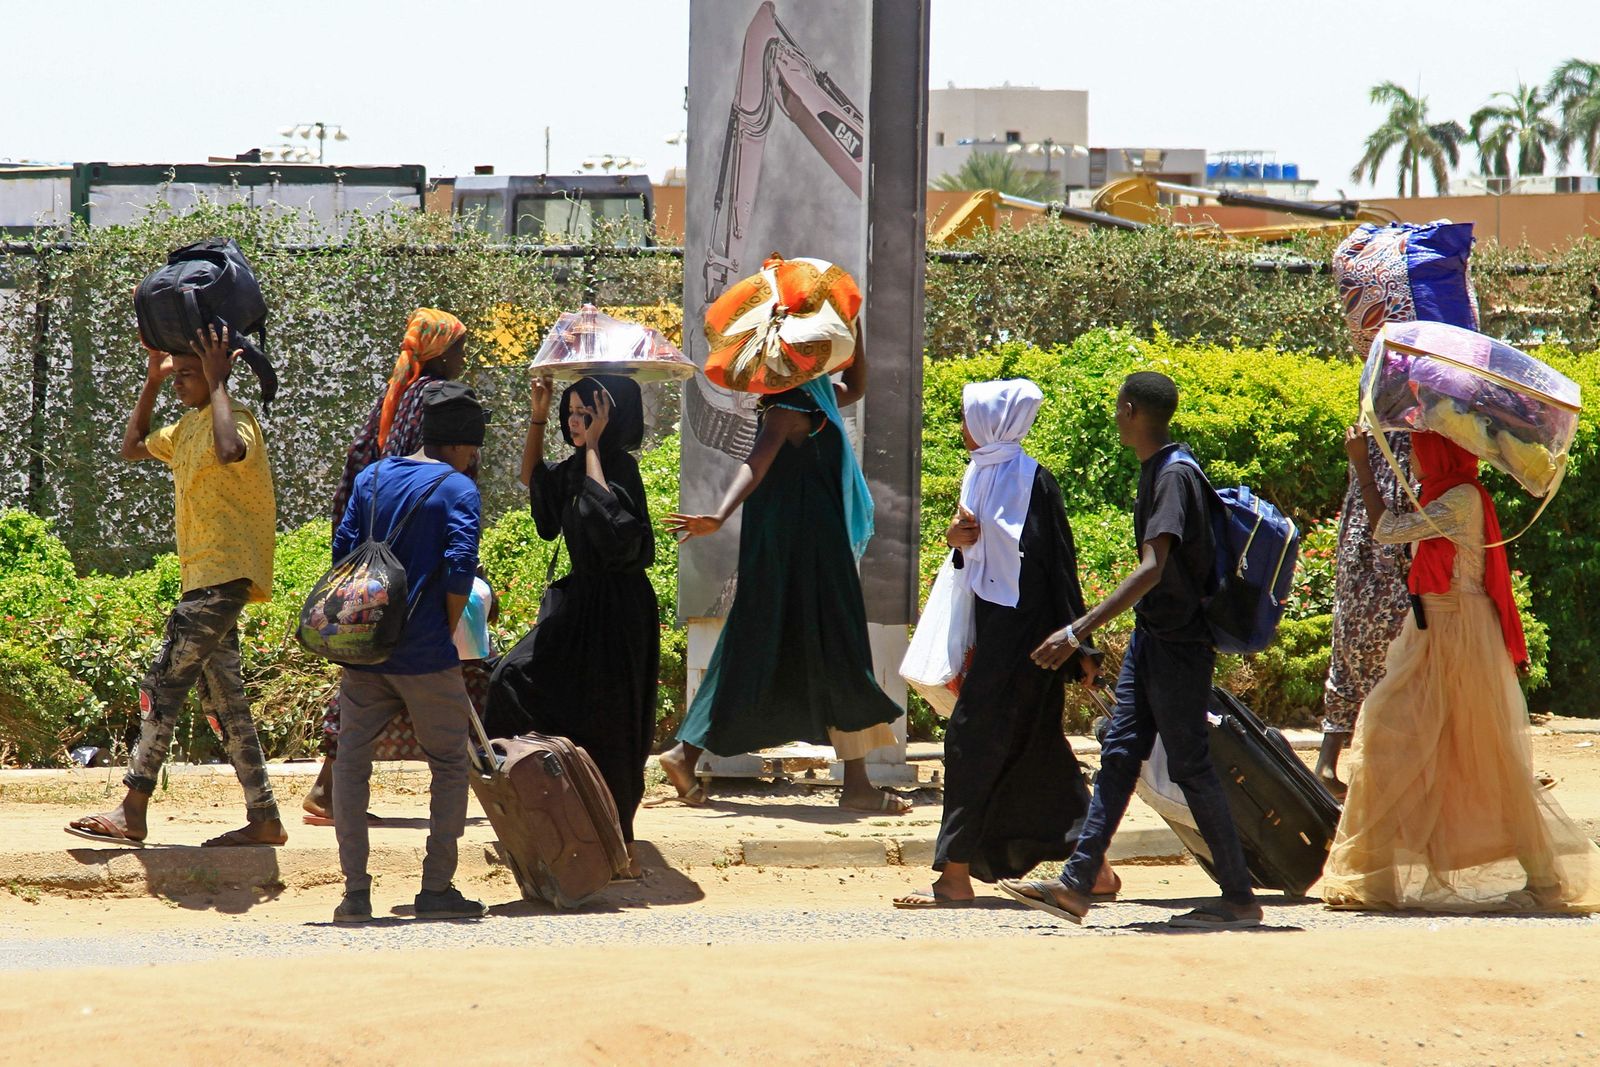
{"points": [[1405, 271], [1499, 403], [781, 328], [588, 341]]}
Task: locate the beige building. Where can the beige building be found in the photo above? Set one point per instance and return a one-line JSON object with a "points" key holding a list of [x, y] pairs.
{"points": [[1042, 129]]}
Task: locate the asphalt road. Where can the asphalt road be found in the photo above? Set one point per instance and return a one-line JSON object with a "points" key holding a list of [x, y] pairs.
{"points": [[519, 924]]}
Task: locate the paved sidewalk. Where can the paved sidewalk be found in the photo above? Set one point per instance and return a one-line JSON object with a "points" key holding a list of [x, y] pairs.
{"points": [[748, 822]]}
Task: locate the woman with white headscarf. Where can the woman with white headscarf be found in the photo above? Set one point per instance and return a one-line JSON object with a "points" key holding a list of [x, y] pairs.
{"points": [[1014, 794]]}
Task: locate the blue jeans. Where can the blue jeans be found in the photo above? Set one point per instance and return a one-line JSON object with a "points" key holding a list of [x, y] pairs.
{"points": [[1164, 689]]}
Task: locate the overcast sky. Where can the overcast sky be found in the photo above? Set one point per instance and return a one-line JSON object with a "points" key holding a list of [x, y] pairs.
{"points": [[455, 83]]}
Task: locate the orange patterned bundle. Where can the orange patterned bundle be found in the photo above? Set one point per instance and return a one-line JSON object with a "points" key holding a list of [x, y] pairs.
{"points": [[779, 329]]}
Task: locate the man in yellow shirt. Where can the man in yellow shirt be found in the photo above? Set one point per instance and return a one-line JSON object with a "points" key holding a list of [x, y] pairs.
{"points": [[226, 516]]}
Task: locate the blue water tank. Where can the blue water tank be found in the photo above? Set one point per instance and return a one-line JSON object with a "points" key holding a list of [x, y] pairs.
{"points": [[1213, 170], [1252, 170], [1233, 170], [1291, 172], [1272, 171]]}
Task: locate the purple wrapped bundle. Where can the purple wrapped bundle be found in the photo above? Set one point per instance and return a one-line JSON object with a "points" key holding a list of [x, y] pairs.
{"points": [[1499, 403]]}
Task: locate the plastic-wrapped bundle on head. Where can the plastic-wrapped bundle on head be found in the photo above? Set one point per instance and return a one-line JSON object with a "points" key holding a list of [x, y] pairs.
{"points": [[1500, 404]]}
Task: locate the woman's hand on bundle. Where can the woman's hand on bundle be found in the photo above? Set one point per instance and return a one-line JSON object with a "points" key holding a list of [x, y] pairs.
{"points": [[684, 527], [963, 531], [539, 395], [1355, 446]]}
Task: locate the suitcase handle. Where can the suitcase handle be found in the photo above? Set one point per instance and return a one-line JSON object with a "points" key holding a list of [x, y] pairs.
{"points": [[483, 738]]}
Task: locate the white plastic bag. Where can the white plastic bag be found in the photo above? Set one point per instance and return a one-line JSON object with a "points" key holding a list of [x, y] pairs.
{"points": [[941, 646]]}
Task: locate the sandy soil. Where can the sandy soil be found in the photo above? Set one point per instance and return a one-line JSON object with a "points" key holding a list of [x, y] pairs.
{"points": [[991, 984], [1462, 996], [1344, 989]]}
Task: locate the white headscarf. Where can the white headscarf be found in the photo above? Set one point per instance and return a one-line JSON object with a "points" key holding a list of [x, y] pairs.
{"points": [[998, 484]]}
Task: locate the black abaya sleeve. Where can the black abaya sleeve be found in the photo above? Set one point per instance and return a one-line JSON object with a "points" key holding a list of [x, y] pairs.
{"points": [[1061, 554], [545, 498], [615, 522]]}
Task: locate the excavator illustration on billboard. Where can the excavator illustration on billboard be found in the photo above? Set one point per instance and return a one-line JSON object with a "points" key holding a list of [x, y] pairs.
{"points": [[774, 76]]}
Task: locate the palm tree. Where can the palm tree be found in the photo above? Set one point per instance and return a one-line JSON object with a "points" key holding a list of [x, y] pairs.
{"points": [[1574, 88], [1513, 120], [995, 170], [1436, 145]]}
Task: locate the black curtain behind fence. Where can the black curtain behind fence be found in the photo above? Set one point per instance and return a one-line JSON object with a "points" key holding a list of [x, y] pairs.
{"points": [[70, 362]]}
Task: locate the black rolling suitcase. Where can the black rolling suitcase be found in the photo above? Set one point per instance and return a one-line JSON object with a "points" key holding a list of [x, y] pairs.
{"points": [[1286, 819]]}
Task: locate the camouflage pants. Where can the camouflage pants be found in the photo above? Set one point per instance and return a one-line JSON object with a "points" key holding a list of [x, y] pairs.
{"points": [[201, 650]]}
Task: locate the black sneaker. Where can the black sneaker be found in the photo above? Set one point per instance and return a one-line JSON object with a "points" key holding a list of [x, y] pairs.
{"points": [[356, 907], [448, 903]]}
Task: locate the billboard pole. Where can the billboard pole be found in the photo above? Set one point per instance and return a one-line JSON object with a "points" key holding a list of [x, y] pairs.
{"points": [[897, 166]]}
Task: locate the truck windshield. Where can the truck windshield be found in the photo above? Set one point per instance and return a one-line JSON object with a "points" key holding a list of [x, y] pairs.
{"points": [[558, 218], [486, 210]]}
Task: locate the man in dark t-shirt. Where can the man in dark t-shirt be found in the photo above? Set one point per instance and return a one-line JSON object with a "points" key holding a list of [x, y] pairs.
{"points": [[1165, 683]]}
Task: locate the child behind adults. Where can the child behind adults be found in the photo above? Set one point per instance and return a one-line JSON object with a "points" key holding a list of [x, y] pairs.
{"points": [[1165, 683], [439, 549], [226, 516], [433, 350]]}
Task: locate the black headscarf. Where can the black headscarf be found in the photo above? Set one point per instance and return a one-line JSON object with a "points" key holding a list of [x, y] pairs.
{"points": [[625, 430]]}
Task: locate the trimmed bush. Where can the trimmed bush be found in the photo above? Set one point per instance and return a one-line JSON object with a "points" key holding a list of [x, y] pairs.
{"points": [[41, 708]]}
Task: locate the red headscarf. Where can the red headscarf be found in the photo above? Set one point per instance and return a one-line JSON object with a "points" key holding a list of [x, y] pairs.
{"points": [[1444, 465], [429, 334]]}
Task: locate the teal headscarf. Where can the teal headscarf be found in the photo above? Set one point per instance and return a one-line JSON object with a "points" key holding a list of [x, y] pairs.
{"points": [[858, 507]]}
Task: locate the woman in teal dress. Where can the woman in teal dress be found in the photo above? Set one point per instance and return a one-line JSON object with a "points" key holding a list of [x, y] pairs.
{"points": [[793, 662]]}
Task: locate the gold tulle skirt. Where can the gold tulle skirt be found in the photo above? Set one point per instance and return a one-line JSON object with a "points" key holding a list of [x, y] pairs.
{"points": [[1443, 812]]}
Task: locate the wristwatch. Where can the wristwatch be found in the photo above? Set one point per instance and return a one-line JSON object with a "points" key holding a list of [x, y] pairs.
{"points": [[1072, 638]]}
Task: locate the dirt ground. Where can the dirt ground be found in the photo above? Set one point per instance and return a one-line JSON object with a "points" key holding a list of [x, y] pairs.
{"points": [[734, 964], [1361, 991]]}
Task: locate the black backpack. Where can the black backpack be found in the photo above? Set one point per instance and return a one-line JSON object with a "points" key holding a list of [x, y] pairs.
{"points": [[357, 611], [208, 283]]}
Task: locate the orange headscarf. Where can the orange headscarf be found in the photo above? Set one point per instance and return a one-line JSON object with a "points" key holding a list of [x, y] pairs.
{"points": [[1445, 465], [429, 334]]}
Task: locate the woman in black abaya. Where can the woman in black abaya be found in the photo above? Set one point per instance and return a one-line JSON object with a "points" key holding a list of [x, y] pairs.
{"points": [[1014, 794], [587, 671]]}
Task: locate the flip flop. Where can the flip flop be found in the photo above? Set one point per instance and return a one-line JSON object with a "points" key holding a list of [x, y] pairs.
{"points": [[918, 900], [694, 798], [1045, 902], [1212, 918], [327, 820], [104, 830], [888, 804], [237, 839]]}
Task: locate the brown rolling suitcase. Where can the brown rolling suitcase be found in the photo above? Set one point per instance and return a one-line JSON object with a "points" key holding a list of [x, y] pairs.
{"points": [[553, 814]]}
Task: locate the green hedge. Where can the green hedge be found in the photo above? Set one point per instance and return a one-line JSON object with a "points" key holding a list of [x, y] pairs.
{"points": [[1269, 418], [339, 300]]}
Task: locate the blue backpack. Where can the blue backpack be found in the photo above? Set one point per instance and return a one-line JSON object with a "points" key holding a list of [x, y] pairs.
{"points": [[1257, 547]]}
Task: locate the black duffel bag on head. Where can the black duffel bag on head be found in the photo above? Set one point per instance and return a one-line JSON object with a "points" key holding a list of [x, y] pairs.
{"points": [[208, 283]]}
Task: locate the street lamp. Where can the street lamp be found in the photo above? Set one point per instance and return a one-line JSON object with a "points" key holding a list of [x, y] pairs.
{"points": [[320, 130], [288, 153], [1048, 148], [610, 162]]}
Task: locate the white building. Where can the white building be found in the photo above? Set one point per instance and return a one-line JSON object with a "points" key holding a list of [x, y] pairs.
{"points": [[1042, 129]]}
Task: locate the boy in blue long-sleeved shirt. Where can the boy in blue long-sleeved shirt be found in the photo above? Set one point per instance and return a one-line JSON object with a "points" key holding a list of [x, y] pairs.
{"points": [[438, 546]]}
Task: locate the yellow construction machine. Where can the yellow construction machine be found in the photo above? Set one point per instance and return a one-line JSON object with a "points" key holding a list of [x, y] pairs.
{"points": [[1137, 202]]}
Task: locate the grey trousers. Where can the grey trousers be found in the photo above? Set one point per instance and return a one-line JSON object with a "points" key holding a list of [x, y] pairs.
{"points": [[438, 705]]}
